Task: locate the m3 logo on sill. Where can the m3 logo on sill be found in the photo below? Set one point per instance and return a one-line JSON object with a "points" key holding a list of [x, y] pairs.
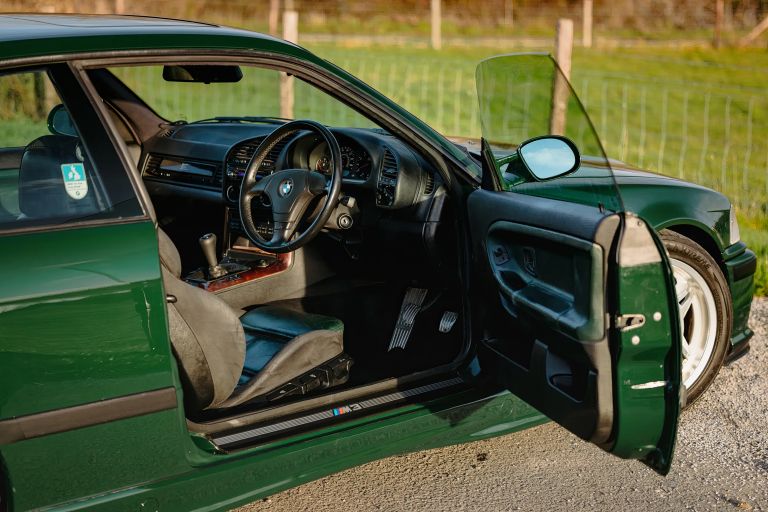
{"points": [[75, 182]]}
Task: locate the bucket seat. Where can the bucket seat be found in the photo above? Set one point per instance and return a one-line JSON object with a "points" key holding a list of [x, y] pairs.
{"points": [[269, 352]]}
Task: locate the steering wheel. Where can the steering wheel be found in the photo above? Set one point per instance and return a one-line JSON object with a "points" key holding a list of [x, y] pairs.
{"points": [[290, 192]]}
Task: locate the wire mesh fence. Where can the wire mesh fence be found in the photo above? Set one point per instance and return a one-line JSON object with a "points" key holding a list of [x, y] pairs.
{"points": [[705, 133]]}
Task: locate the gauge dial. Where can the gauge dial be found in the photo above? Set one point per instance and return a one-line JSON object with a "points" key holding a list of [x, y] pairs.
{"points": [[355, 164], [323, 164]]}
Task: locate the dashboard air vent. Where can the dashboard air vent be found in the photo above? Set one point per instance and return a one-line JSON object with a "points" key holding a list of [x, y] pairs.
{"points": [[245, 152], [429, 187], [218, 176], [242, 155], [274, 154], [389, 165], [152, 167], [167, 132]]}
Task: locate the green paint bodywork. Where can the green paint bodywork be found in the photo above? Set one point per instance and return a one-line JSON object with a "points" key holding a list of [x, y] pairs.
{"points": [[642, 430], [82, 319], [85, 305]]}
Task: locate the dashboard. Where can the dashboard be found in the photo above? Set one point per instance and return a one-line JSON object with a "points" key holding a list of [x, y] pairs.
{"points": [[391, 197], [207, 161], [211, 159]]}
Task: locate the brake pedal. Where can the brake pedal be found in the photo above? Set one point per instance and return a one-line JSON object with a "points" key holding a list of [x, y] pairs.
{"points": [[414, 298]]}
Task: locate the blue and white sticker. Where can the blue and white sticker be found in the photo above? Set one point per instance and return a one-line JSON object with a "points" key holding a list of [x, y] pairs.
{"points": [[75, 182]]}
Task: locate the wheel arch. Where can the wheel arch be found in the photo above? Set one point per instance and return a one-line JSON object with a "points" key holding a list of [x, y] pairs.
{"points": [[704, 239]]}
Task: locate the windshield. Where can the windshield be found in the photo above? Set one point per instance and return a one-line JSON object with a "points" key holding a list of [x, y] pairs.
{"points": [[526, 96], [254, 98]]}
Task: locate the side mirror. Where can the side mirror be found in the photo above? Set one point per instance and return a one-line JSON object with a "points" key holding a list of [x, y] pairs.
{"points": [[59, 122], [549, 157]]}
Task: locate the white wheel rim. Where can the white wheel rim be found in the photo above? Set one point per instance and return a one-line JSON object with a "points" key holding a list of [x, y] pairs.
{"points": [[698, 320]]}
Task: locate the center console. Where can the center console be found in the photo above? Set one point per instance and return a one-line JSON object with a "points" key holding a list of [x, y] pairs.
{"points": [[240, 264]]}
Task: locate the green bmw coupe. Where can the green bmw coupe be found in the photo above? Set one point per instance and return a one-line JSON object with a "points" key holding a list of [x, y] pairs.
{"points": [[229, 267]]}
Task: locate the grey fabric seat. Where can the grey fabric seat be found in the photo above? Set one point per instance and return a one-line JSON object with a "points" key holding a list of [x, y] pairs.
{"points": [[226, 361]]}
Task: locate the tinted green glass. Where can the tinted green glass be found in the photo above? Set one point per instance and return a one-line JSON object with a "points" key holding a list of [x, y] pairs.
{"points": [[526, 96]]}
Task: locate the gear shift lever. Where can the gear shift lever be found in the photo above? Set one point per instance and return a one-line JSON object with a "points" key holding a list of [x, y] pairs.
{"points": [[208, 244]]}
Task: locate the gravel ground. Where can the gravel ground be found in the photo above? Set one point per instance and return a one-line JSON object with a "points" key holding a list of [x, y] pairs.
{"points": [[721, 463]]}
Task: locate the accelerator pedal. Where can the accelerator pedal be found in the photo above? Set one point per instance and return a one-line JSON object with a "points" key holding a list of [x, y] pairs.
{"points": [[447, 321], [414, 298]]}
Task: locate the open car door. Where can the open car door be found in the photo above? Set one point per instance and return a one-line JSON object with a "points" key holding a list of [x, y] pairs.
{"points": [[573, 298]]}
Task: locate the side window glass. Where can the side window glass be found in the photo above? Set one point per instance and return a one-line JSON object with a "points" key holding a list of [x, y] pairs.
{"points": [[47, 173]]}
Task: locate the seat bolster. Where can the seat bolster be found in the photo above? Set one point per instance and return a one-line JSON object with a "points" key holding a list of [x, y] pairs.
{"points": [[298, 356], [209, 341]]}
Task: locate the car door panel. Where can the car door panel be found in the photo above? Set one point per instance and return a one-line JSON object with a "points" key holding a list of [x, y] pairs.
{"points": [[552, 286], [553, 303]]}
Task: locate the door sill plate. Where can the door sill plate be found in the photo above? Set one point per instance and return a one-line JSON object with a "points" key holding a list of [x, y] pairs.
{"points": [[266, 431]]}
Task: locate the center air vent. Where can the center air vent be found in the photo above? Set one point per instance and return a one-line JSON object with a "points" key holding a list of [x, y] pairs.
{"points": [[389, 165], [386, 188]]}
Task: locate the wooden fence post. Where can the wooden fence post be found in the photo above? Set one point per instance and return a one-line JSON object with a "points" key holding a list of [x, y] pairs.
{"points": [[586, 36], [560, 90], [290, 33], [509, 13], [274, 16], [719, 15], [437, 40]]}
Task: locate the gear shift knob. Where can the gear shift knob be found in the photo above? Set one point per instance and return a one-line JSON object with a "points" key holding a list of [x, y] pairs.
{"points": [[208, 245]]}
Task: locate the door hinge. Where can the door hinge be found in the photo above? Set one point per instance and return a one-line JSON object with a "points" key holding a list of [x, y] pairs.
{"points": [[630, 321]]}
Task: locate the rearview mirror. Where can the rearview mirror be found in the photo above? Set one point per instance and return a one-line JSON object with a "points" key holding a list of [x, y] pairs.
{"points": [[59, 122], [202, 73], [549, 157]]}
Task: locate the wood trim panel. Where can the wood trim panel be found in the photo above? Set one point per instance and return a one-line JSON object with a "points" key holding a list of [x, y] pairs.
{"points": [[281, 264]]}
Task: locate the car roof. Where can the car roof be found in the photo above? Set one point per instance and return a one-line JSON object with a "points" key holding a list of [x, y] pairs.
{"points": [[36, 35]]}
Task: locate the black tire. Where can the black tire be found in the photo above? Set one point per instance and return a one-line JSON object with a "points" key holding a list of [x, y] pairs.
{"points": [[685, 250]]}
